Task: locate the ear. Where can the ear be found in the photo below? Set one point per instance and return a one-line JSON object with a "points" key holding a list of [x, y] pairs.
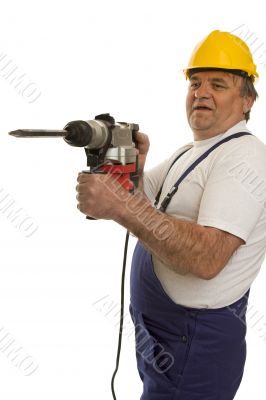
{"points": [[248, 102]]}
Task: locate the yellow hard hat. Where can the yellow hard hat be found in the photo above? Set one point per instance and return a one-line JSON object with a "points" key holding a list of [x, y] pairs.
{"points": [[222, 50]]}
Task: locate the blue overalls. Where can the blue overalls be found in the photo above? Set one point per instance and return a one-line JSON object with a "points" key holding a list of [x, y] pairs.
{"points": [[184, 353]]}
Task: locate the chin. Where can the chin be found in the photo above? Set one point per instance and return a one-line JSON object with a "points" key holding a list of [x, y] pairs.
{"points": [[200, 127], [199, 123]]}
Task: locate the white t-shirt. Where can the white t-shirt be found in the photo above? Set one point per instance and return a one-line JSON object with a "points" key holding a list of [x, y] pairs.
{"points": [[226, 191]]}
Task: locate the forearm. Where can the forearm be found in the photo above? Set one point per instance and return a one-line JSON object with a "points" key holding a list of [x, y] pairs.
{"points": [[181, 245]]}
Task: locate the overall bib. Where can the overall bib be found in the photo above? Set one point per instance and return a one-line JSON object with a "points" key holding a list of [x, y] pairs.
{"points": [[184, 353]]}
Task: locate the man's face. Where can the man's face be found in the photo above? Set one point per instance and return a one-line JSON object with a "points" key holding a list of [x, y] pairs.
{"points": [[214, 103]]}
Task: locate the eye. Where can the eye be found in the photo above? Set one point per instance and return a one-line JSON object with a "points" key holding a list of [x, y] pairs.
{"points": [[194, 85], [217, 86]]}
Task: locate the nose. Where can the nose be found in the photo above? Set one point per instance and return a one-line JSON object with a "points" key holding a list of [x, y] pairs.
{"points": [[202, 92]]}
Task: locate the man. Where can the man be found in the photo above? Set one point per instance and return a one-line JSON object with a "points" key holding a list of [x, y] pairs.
{"points": [[198, 254]]}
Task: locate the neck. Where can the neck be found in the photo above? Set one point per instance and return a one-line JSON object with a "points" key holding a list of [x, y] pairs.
{"points": [[201, 134]]}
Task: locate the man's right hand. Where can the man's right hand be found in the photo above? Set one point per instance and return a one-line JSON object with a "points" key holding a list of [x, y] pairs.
{"points": [[142, 144]]}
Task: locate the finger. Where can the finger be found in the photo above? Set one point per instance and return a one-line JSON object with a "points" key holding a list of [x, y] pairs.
{"points": [[81, 208], [89, 177], [141, 137], [83, 177], [82, 197], [81, 188]]}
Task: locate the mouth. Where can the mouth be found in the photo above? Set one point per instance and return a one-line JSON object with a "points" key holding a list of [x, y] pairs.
{"points": [[201, 108]]}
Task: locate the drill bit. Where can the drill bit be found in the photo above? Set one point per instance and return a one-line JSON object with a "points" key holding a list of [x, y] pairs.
{"points": [[38, 133]]}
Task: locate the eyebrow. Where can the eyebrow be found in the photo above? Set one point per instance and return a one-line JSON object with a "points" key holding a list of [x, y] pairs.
{"points": [[215, 80]]}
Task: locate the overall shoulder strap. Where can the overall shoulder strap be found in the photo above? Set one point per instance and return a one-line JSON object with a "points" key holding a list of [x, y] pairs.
{"points": [[161, 188], [169, 196]]}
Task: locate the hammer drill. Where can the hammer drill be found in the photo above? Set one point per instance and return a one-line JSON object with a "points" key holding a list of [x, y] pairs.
{"points": [[109, 146]]}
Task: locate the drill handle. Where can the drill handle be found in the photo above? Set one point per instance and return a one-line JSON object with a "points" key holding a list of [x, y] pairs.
{"points": [[89, 172], [126, 175]]}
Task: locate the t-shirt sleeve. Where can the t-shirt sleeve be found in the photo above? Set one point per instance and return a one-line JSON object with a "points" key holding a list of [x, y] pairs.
{"points": [[235, 194], [153, 179]]}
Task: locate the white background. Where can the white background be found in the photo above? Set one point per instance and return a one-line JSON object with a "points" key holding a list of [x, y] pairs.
{"points": [[86, 58]]}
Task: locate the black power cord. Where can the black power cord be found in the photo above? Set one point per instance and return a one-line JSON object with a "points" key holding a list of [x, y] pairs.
{"points": [[121, 316]]}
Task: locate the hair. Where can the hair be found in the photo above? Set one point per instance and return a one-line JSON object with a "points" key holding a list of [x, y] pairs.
{"points": [[247, 89]]}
